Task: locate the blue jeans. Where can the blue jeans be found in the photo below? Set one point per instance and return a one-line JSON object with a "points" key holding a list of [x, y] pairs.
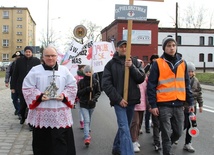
{"points": [[171, 126], [79, 111], [87, 113], [123, 140]]}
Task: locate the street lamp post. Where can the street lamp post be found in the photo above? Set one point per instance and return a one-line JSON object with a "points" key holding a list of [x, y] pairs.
{"points": [[47, 23]]}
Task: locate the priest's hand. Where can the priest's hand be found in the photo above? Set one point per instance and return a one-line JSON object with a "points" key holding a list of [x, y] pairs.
{"points": [[45, 98], [60, 97]]}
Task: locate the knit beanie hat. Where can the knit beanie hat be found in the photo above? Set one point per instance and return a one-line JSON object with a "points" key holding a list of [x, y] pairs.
{"points": [[28, 48], [166, 40], [190, 66], [87, 69]]}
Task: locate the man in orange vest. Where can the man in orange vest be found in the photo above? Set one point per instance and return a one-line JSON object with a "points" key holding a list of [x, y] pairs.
{"points": [[168, 88]]}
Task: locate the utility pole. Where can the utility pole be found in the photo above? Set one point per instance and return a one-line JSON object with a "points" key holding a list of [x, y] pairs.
{"points": [[176, 22], [47, 23]]}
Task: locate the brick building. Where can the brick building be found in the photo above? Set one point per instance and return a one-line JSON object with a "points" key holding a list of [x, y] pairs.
{"points": [[144, 36], [196, 45]]}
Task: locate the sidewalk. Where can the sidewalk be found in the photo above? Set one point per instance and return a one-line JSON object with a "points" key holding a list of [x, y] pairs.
{"points": [[16, 139]]}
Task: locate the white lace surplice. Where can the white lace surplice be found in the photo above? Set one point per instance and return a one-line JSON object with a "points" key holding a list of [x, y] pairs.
{"points": [[50, 113]]}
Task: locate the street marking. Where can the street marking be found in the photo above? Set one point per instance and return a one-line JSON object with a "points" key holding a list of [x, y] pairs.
{"points": [[205, 109], [208, 107]]}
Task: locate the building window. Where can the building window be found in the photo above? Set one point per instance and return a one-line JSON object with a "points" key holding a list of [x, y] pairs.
{"points": [[18, 47], [19, 33], [19, 26], [19, 19], [5, 57], [210, 43], [201, 57], [5, 29], [5, 14], [19, 11], [201, 40], [210, 57], [5, 43], [145, 58], [179, 40], [19, 40]]}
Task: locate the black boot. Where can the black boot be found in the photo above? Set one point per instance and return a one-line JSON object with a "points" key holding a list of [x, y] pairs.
{"points": [[30, 127], [19, 116], [22, 120]]}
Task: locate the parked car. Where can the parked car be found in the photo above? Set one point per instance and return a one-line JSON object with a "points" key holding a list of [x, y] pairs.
{"points": [[4, 65]]}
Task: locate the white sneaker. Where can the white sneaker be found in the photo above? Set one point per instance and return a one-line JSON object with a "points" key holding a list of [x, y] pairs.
{"points": [[135, 147], [150, 122], [189, 148], [138, 144], [176, 142]]}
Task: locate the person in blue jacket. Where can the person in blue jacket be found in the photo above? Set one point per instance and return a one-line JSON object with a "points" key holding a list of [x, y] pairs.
{"points": [[168, 88]]}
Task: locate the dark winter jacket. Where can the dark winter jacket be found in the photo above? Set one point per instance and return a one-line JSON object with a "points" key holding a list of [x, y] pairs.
{"points": [[21, 69], [113, 80], [84, 90], [173, 63]]}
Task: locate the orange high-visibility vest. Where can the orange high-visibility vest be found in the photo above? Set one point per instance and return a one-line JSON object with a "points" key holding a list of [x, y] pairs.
{"points": [[171, 86]]}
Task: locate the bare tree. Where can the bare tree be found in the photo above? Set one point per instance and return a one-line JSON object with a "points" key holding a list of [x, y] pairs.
{"points": [[52, 38], [211, 20], [200, 19], [93, 32], [189, 17], [192, 17]]}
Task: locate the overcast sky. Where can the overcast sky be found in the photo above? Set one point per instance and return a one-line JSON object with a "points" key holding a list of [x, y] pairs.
{"points": [[66, 14]]}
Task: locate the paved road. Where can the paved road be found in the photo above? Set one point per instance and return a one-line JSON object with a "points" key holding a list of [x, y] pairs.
{"points": [[16, 139]]}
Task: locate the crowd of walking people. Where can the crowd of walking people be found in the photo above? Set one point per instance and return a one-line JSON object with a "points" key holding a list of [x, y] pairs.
{"points": [[165, 91]]}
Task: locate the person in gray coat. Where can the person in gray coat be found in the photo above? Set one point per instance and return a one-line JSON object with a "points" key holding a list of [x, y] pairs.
{"points": [[8, 79]]}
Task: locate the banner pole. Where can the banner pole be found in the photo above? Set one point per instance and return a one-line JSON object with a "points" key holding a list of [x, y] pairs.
{"points": [[128, 54]]}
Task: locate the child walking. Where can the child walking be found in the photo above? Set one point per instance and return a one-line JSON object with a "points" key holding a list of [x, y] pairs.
{"points": [[197, 94], [138, 115], [78, 77], [88, 94]]}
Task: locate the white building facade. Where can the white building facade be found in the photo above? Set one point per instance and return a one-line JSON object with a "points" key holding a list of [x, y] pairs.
{"points": [[195, 45]]}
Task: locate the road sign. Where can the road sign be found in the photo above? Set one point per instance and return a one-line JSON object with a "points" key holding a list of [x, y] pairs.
{"points": [[130, 12], [80, 31]]}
